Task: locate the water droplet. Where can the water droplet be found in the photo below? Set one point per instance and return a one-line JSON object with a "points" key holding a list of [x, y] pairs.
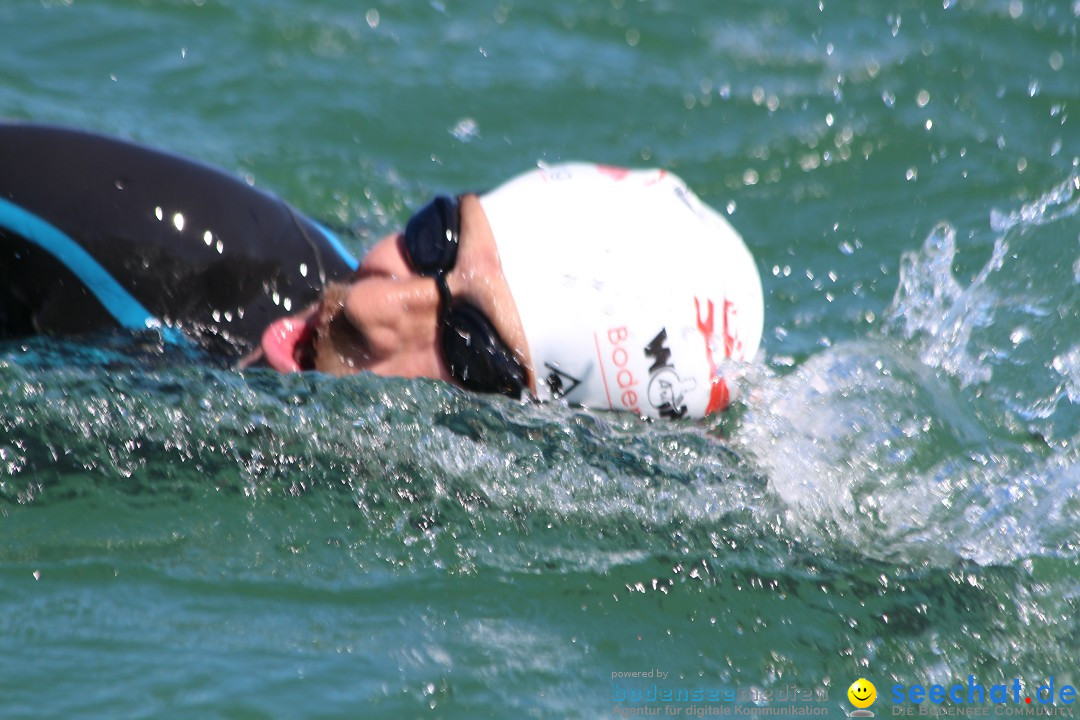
{"points": [[372, 18], [923, 99], [465, 130], [895, 21], [159, 213], [912, 174], [303, 269], [1056, 60], [632, 37], [178, 222], [208, 238]]}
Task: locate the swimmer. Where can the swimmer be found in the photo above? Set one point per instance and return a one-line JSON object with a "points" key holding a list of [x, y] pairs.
{"points": [[611, 288]]}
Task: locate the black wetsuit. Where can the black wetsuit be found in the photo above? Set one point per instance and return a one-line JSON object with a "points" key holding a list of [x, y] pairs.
{"points": [[97, 233]]}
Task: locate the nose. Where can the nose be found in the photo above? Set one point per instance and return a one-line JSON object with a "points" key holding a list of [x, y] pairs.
{"points": [[391, 307], [393, 314], [382, 323]]}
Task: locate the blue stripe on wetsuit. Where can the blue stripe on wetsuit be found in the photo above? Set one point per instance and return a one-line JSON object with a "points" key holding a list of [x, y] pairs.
{"points": [[338, 247], [127, 311]]}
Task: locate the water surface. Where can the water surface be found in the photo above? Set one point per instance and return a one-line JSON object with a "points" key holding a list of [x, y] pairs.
{"points": [[895, 498]]}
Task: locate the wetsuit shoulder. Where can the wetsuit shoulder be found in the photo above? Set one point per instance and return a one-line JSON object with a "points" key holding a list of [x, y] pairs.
{"points": [[98, 232]]}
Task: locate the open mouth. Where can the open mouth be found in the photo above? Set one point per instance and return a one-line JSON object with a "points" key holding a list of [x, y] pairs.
{"points": [[288, 343], [319, 339]]}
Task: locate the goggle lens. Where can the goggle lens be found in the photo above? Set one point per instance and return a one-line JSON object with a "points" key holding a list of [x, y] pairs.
{"points": [[475, 354]]}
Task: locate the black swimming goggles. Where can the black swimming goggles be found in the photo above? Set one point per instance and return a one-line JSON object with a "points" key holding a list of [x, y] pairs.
{"points": [[475, 354]]}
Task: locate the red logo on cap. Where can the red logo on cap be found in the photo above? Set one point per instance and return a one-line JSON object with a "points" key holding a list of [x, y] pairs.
{"points": [[615, 173], [718, 393]]}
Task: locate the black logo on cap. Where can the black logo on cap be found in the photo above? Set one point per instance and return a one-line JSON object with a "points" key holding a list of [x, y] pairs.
{"points": [[560, 382], [666, 388]]}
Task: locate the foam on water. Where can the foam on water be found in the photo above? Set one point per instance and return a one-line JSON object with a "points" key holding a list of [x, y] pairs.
{"points": [[952, 432]]}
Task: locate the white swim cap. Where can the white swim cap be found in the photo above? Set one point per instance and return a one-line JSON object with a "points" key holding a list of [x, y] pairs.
{"points": [[632, 292]]}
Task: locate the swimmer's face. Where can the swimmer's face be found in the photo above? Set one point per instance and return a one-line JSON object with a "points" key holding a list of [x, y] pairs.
{"points": [[386, 320]]}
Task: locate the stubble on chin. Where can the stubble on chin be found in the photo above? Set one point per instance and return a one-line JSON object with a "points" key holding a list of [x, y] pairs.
{"points": [[337, 346]]}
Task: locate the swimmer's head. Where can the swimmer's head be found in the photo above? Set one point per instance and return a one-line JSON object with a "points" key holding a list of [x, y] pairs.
{"points": [[632, 293], [612, 288]]}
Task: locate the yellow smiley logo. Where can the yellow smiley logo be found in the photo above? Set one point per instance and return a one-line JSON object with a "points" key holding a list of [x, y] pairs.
{"points": [[862, 693]]}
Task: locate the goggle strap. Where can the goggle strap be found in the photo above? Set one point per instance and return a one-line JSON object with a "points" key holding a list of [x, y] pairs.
{"points": [[446, 301]]}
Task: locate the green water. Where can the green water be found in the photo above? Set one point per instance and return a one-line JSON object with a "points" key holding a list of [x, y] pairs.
{"points": [[896, 498]]}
